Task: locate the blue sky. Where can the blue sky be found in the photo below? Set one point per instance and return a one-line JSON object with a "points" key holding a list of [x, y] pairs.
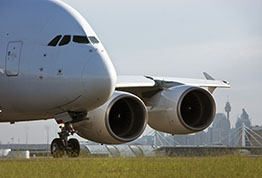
{"points": [[180, 39], [185, 38]]}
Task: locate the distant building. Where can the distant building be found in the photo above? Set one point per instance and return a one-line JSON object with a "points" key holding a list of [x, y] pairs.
{"points": [[200, 138], [244, 118], [228, 109], [221, 129], [219, 133]]}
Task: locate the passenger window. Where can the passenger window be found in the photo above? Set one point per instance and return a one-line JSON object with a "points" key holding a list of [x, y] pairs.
{"points": [[93, 39], [54, 41], [81, 39], [65, 40]]}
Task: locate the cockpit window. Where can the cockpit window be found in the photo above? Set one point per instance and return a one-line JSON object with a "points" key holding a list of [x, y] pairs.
{"points": [[81, 39], [76, 38], [65, 40], [55, 40], [93, 39]]}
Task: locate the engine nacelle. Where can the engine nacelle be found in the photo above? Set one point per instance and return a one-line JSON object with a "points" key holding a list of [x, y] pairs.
{"points": [[182, 110], [121, 119]]}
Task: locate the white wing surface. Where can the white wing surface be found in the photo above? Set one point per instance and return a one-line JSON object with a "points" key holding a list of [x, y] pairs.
{"points": [[142, 83]]}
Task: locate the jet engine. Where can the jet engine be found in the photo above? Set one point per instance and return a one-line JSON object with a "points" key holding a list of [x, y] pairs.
{"points": [[121, 119], [182, 110]]}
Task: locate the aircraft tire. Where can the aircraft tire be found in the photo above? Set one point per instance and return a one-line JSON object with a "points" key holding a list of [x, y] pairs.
{"points": [[57, 148], [73, 148]]}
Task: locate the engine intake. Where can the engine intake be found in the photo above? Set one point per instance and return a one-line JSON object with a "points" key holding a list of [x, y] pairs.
{"points": [[196, 109], [182, 110], [121, 119], [126, 118]]}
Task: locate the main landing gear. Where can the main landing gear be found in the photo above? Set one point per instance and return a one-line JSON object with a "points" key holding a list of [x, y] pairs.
{"points": [[61, 145]]}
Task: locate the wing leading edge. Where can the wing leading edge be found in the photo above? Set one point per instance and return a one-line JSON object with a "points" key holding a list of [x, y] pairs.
{"points": [[148, 84]]}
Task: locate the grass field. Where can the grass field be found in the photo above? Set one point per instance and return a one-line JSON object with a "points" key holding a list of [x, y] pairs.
{"points": [[222, 166]]}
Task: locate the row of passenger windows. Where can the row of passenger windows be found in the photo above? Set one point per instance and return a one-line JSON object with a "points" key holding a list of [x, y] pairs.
{"points": [[67, 38]]}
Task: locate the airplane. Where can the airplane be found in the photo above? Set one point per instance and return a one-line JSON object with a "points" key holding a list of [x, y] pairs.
{"points": [[53, 65]]}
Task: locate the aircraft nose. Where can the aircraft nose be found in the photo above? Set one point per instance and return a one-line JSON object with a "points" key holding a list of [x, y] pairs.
{"points": [[98, 79]]}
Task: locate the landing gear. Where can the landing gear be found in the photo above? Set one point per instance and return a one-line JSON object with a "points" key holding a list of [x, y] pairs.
{"points": [[61, 145], [57, 148], [73, 149]]}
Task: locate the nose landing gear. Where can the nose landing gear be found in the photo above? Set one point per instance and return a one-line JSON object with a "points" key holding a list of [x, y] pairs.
{"points": [[61, 145]]}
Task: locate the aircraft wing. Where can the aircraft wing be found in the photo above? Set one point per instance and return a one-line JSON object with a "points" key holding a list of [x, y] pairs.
{"points": [[149, 85]]}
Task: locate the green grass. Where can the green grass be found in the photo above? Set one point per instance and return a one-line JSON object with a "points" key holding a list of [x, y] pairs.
{"points": [[222, 166]]}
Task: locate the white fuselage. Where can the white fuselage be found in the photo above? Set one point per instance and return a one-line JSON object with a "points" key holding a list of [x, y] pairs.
{"points": [[38, 81]]}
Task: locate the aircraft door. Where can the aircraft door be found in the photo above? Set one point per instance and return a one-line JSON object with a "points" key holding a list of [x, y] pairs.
{"points": [[12, 61]]}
